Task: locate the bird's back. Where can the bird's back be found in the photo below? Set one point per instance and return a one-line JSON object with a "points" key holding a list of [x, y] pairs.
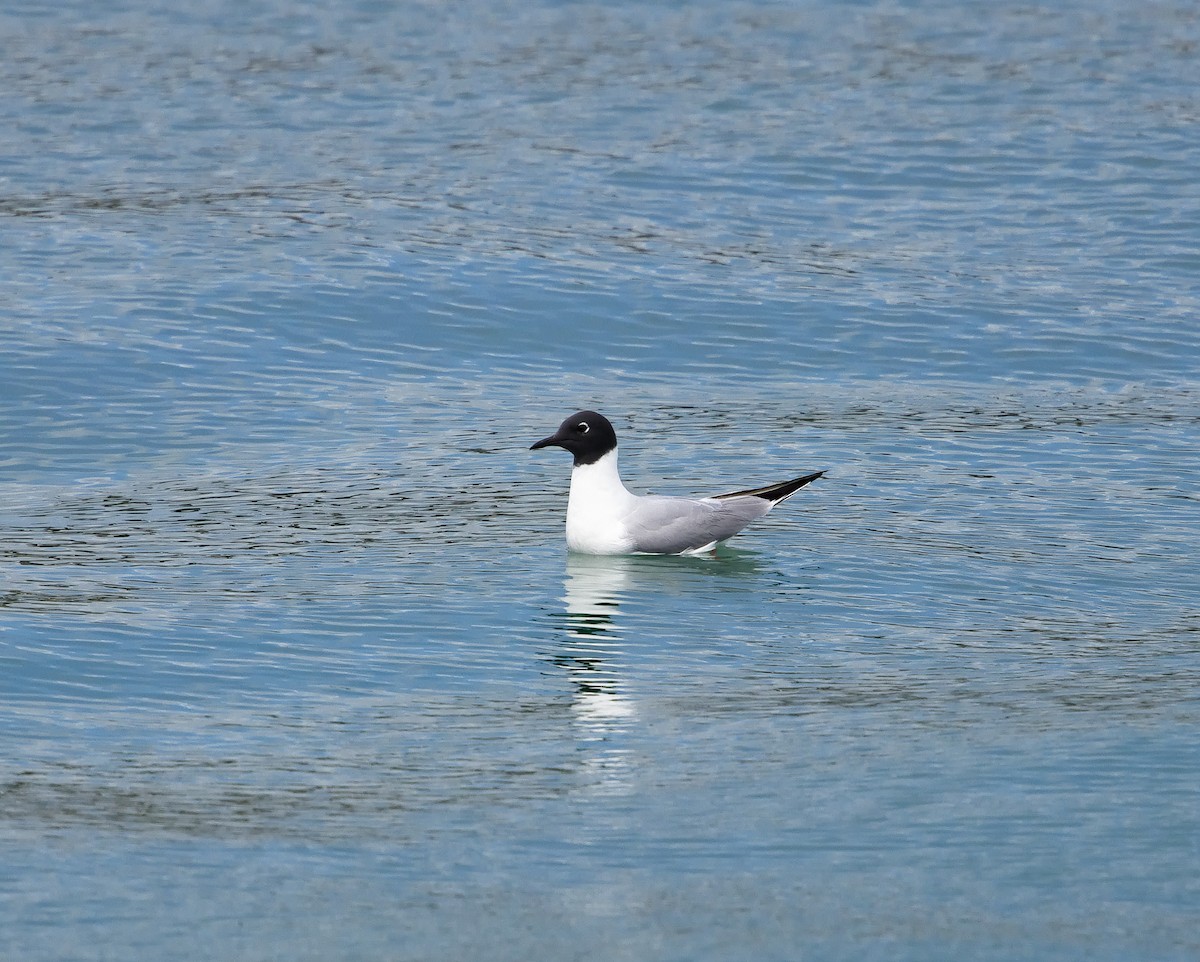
{"points": [[664, 525]]}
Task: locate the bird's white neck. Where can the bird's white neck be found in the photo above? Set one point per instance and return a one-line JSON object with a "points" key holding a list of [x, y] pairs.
{"points": [[595, 509]]}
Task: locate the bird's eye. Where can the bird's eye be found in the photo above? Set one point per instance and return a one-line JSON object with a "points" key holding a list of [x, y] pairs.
{"points": [[582, 427]]}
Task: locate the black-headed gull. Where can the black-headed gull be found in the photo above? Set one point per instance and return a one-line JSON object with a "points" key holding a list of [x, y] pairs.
{"points": [[603, 517]]}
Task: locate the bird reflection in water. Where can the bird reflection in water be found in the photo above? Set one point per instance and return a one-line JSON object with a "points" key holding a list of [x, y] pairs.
{"points": [[593, 591], [595, 653], [591, 652]]}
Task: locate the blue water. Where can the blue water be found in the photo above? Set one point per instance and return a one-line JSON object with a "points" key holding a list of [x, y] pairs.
{"points": [[293, 661]]}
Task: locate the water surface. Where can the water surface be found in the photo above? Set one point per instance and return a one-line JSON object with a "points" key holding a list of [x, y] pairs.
{"points": [[295, 663]]}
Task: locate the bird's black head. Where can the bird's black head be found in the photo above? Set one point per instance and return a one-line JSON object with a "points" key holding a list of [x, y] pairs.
{"points": [[587, 435]]}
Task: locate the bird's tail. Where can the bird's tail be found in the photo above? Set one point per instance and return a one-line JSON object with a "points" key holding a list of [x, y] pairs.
{"points": [[775, 492]]}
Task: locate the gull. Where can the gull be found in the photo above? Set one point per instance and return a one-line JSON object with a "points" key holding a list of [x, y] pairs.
{"points": [[604, 517]]}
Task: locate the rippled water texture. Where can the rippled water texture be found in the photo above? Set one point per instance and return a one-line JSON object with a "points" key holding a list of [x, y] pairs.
{"points": [[293, 661]]}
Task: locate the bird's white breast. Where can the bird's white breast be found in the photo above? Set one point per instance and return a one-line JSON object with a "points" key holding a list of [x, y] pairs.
{"points": [[596, 507]]}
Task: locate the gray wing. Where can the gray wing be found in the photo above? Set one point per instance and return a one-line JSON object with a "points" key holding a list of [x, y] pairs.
{"points": [[670, 525]]}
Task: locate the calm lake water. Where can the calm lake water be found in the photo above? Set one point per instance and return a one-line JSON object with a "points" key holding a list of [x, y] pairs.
{"points": [[293, 661]]}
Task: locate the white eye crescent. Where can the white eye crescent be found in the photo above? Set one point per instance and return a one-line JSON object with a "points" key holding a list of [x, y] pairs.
{"points": [[582, 427]]}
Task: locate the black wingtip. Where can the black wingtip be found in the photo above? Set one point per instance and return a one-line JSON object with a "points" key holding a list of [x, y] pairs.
{"points": [[776, 492]]}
